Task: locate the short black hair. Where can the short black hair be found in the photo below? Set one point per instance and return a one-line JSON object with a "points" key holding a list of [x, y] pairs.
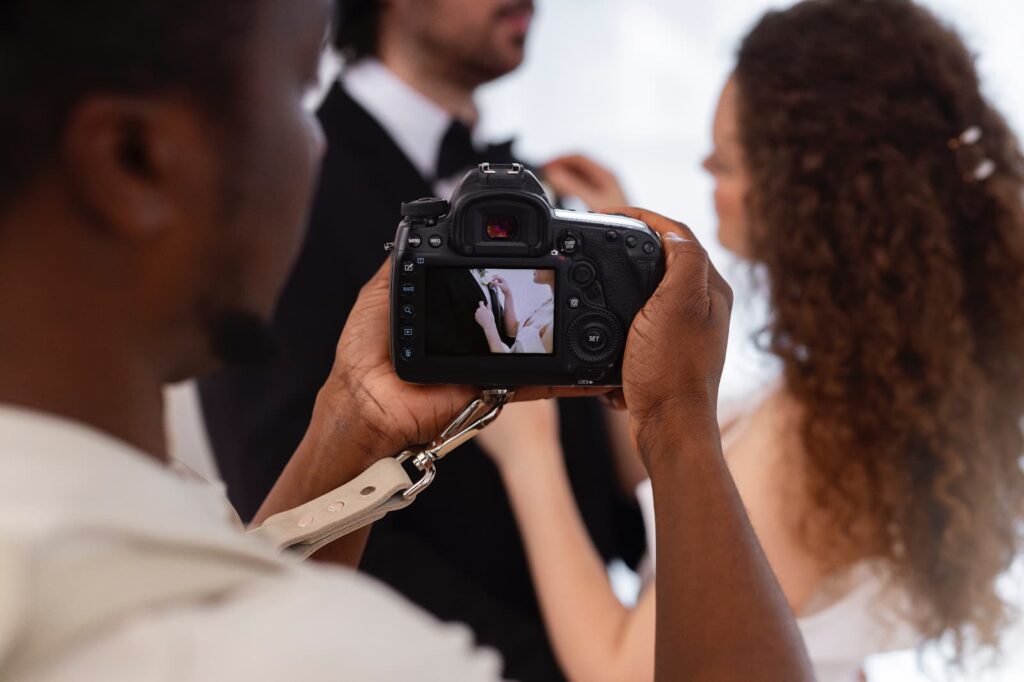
{"points": [[358, 28], [55, 52]]}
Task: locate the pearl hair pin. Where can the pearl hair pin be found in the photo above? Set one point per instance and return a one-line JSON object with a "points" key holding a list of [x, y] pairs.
{"points": [[969, 138]]}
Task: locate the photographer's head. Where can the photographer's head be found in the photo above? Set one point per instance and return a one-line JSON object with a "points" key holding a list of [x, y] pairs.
{"points": [[155, 170], [893, 246], [469, 42]]}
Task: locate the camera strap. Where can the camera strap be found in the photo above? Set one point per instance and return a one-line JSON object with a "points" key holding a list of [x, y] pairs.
{"points": [[383, 488]]}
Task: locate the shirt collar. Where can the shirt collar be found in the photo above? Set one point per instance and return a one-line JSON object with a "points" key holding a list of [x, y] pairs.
{"points": [[414, 122]]}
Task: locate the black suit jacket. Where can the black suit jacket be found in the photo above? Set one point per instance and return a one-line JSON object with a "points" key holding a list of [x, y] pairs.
{"points": [[456, 552], [451, 325]]}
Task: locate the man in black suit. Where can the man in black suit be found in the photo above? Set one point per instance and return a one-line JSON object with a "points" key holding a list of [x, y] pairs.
{"points": [[399, 122], [455, 295]]}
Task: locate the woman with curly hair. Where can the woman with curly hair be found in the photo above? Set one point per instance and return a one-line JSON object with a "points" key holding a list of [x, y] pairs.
{"points": [[862, 172]]}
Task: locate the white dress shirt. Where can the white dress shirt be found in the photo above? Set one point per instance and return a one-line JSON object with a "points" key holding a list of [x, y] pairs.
{"points": [[415, 122], [114, 568]]}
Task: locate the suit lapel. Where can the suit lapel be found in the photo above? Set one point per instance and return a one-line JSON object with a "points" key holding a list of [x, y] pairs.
{"points": [[388, 169]]}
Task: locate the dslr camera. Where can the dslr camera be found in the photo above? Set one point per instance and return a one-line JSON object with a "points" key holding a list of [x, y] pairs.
{"points": [[497, 288]]}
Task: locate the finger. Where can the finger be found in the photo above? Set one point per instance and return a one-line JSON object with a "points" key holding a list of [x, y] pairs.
{"points": [[568, 183], [586, 168], [381, 279], [656, 221], [527, 393], [614, 400]]}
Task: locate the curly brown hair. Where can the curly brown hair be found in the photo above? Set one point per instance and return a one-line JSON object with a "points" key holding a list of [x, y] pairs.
{"points": [[897, 287]]}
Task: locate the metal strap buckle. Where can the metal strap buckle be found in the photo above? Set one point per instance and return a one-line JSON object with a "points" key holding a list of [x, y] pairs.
{"points": [[474, 418]]}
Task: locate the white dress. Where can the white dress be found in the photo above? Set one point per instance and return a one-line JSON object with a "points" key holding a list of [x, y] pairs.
{"points": [[857, 619], [535, 333]]}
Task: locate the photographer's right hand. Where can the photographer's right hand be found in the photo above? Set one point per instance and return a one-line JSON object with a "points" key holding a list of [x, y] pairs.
{"points": [[676, 346]]}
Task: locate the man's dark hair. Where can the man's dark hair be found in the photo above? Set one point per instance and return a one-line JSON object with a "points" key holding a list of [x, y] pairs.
{"points": [[358, 28], [55, 52]]}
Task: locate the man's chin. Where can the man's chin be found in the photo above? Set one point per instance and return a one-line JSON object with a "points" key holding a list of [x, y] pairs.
{"points": [[239, 337]]}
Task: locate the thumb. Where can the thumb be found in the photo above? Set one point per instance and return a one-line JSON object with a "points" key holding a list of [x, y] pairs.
{"points": [[687, 270]]}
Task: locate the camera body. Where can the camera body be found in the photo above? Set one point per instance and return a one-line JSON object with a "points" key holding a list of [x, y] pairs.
{"points": [[499, 289]]}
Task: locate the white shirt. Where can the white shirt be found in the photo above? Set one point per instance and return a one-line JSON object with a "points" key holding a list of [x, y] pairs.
{"points": [[415, 122], [114, 568]]}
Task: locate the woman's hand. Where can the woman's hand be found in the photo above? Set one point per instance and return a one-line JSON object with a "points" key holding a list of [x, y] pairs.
{"points": [[502, 284], [522, 433], [582, 177], [484, 317]]}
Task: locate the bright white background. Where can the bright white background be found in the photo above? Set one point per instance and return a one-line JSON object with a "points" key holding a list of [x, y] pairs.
{"points": [[635, 83]]}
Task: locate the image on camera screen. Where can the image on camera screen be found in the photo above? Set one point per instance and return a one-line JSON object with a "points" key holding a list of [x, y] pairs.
{"points": [[490, 311]]}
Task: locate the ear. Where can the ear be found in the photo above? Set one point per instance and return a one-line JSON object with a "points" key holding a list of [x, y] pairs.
{"points": [[130, 161]]}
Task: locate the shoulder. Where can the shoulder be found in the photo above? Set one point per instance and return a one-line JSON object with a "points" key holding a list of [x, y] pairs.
{"points": [[308, 624]]}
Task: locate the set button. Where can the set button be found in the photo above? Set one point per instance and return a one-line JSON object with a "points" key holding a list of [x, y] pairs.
{"points": [[595, 338]]}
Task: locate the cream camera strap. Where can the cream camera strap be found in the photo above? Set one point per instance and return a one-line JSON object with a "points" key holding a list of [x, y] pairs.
{"points": [[384, 487]]}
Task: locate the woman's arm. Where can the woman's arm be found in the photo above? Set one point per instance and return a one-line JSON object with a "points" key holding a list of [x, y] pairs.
{"points": [[485, 318], [595, 637], [509, 318]]}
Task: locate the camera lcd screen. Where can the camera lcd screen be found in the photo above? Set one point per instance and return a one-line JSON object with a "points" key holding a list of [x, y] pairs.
{"points": [[490, 311]]}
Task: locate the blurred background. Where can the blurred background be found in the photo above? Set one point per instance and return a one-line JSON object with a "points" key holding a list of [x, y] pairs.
{"points": [[634, 84]]}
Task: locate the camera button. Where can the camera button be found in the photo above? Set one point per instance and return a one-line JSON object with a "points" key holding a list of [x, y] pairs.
{"points": [[415, 240], [569, 243], [574, 302], [407, 311], [583, 274], [408, 332], [435, 241], [649, 248], [612, 235], [632, 241], [590, 377], [408, 267], [408, 289], [595, 338], [408, 353]]}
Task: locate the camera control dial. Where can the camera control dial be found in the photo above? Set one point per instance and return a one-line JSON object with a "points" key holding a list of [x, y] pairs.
{"points": [[595, 336], [421, 209]]}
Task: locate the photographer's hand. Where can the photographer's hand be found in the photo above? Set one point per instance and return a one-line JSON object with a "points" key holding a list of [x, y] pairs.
{"points": [[720, 612], [365, 413]]}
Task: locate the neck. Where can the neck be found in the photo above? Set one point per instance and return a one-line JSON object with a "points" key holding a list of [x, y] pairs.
{"points": [[427, 73]]}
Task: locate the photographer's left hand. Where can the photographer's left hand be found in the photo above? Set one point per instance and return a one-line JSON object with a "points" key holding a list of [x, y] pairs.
{"points": [[365, 413]]}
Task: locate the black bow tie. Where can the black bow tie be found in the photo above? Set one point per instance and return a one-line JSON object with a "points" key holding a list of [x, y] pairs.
{"points": [[458, 154]]}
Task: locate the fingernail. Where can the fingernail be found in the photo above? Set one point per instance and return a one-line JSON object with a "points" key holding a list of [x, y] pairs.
{"points": [[673, 237]]}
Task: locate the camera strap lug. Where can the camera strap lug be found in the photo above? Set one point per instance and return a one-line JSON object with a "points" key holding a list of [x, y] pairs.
{"points": [[384, 487], [474, 418]]}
